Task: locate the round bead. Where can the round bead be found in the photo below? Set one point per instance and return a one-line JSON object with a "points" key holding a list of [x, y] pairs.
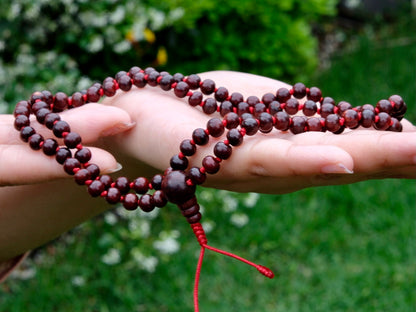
{"points": [[298, 124], [196, 176], [232, 120], [157, 181], [314, 94], [328, 100], [343, 106], [166, 82], [177, 77], [383, 121], [351, 119], [105, 179], [274, 107], [62, 154], [210, 164], [47, 96], [367, 118], [234, 137], [21, 110], [332, 123], [299, 90], [146, 203], [181, 89], [70, 164], [243, 108], [207, 86], [314, 124], [39, 105], [60, 127], [209, 106], [225, 108], [41, 114], [93, 94], [60, 102], [251, 125], [195, 99], [282, 121], [72, 139], [179, 163], [130, 201], [122, 184], [26, 133], [309, 108], [396, 126], [21, 121], [36, 141], [200, 137], [193, 81], [258, 109], [266, 122], [187, 147], [267, 98], [140, 185], [94, 171], [326, 109], [36, 96], [159, 199], [83, 155], [81, 176], [236, 98], [215, 127], [292, 106], [113, 195], [282, 95], [96, 188], [109, 89], [252, 100], [124, 83], [49, 147], [139, 80], [221, 94], [176, 189], [222, 150], [51, 119], [385, 106]]}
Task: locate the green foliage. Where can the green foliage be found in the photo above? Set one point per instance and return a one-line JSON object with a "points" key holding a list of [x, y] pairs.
{"points": [[52, 44]]}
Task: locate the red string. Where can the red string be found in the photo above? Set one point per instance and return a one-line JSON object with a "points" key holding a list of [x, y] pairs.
{"points": [[202, 240]]}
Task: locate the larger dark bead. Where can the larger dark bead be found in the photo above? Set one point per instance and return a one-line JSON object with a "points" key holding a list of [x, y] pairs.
{"points": [[327, 109], [350, 118], [21, 121], [268, 98], [274, 107], [193, 81], [181, 89], [83, 155], [113, 195], [146, 203], [176, 189], [243, 108], [72, 139], [343, 106], [383, 121], [62, 154], [166, 82], [187, 147], [141, 185], [225, 108], [96, 188], [122, 184], [124, 83], [35, 141], [93, 94], [39, 105], [130, 201], [309, 108], [236, 98], [196, 175], [26, 132], [195, 99], [266, 122], [70, 164]]}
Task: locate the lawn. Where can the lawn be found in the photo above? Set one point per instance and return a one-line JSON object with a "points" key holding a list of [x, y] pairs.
{"points": [[338, 248]]}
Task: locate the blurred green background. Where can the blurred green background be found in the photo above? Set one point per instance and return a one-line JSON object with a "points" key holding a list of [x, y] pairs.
{"points": [[339, 248]]}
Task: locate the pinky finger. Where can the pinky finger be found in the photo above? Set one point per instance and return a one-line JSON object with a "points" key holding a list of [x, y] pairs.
{"points": [[20, 165]]}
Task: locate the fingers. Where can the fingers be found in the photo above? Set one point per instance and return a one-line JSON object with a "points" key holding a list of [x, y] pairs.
{"points": [[21, 165], [91, 121]]}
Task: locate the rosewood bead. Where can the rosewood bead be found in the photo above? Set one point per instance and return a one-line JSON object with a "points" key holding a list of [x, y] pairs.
{"points": [[177, 77], [62, 154], [222, 150], [383, 121], [93, 94], [39, 105], [124, 83], [209, 106], [210, 164], [314, 124], [176, 189], [36, 96], [21, 121], [146, 203], [181, 89], [47, 97], [243, 108], [266, 122], [200, 137], [236, 97], [81, 176], [234, 137], [258, 109], [332, 123], [60, 102], [298, 124], [21, 110], [221, 94], [232, 120], [165, 82], [106, 180], [191, 211], [60, 127], [215, 127], [196, 176], [94, 171], [70, 164], [72, 139], [282, 95], [309, 108], [274, 107], [41, 114], [299, 90], [159, 199], [328, 100], [384, 106], [193, 81], [195, 99], [26, 133], [152, 78], [267, 98], [343, 106], [130, 201], [179, 163], [140, 185], [351, 119], [49, 147], [367, 118], [51, 119], [122, 184], [83, 155], [36, 141], [251, 125], [187, 147], [396, 126], [113, 195], [225, 108], [314, 94], [327, 109], [282, 121], [207, 86], [139, 80], [157, 181], [96, 188], [292, 106], [252, 100]]}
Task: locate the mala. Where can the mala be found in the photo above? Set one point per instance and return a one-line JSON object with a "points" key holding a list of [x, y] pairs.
{"points": [[239, 118]]}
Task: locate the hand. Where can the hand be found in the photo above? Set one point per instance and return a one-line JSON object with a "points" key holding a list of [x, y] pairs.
{"points": [[277, 162]]}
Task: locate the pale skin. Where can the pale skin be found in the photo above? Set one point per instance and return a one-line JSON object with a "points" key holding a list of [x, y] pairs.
{"points": [[142, 129]]}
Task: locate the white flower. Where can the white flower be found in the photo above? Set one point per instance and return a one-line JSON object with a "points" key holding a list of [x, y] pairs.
{"points": [[208, 226], [147, 263], [122, 46], [239, 219], [96, 44], [118, 15], [112, 257], [251, 200], [230, 203], [78, 281], [110, 218], [167, 244]]}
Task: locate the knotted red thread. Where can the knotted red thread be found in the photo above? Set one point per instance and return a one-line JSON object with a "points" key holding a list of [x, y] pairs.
{"points": [[202, 240]]}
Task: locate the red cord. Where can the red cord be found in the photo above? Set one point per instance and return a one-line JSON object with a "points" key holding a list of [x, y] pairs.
{"points": [[197, 275]]}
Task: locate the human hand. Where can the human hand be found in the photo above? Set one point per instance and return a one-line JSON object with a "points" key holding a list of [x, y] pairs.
{"points": [[277, 162], [21, 165]]}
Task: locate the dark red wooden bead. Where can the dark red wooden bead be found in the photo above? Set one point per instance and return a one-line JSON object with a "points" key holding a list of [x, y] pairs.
{"points": [[122, 184], [81, 176], [367, 118], [195, 99], [177, 77], [266, 122], [49, 147], [157, 181], [282, 95], [194, 219], [252, 100], [274, 107], [343, 106], [193, 81], [62, 154], [292, 106], [351, 119], [120, 74], [332, 123], [146, 203], [105, 179], [326, 109], [309, 108], [400, 107], [207, 86], [60, 102], [179, 163], [314, 94], [39, 105], [113, 195], [200, 137], [130, 201], [383, 121], [314, 124], [60, 127], [133, 70], [368, 107], [181, 89], [385, 106], [50, 120], [234, 137], [299, 90], [396, 126], [298, 124], [152, 78], [267, 98], [36, 141], [221, 94], [166, 82], [210, 164], [236, 98], [70, 164], [250, 125], [26, 133], [191, 211], [41, 114], [94, 171], [159, 199], [282, 121], [258, 109], [83, 155], [47, 97], [187, 147], [215, 127], [124, 83], [222, 150], [139, 80], [21, 121], [96, 188], [36, 96], [243, 108], [232, 120], [93, 94], [209, 106], [196, 176], [21, 110], [176, 189], [72, 139], [140, 185]]}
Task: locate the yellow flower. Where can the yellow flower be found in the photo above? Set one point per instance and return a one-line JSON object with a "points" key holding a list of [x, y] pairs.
{"points": [[162, 56], [149, 35]]}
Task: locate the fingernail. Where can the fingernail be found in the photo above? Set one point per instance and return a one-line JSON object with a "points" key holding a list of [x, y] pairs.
{"points": [[118, 128], [336, 168], [118, 168]]}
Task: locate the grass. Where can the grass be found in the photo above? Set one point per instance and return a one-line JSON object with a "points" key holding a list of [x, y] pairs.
{"points": [[339, 248]]}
